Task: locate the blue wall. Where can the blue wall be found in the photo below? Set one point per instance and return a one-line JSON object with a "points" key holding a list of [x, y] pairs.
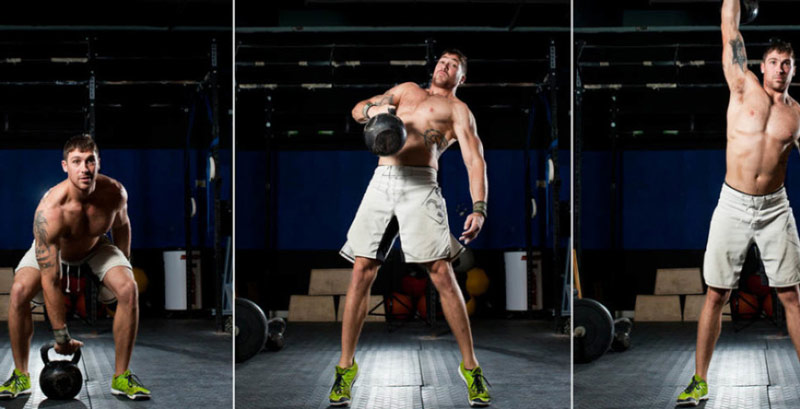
{"points": [[318, 193], [152, 177], [668, 197]]}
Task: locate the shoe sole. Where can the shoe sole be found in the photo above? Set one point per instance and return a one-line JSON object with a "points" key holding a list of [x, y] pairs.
{"points": [[9, 397], [347, 403], [692, 402], [471, 403], [131, 397]]}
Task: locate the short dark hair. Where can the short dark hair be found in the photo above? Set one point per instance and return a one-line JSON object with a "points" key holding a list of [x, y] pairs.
{"points": [[776, 44], [82, 143], [462, 59]]}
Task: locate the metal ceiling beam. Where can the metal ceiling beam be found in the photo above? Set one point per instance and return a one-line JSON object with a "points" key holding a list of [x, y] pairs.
{"points": [[401, 29], [114, 28]]}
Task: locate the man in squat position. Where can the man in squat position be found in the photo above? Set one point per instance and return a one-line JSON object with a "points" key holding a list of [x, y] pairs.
{"points": [[69, 227]]}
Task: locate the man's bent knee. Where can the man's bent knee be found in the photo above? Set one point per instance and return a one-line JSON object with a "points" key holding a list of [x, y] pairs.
{"points": [[120, 281], [128, 293], [26, 285]]}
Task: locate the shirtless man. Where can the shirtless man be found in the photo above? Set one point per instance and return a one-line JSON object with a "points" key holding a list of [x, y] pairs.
{"points": [[69, 227], [404, 196], [763, 123]]}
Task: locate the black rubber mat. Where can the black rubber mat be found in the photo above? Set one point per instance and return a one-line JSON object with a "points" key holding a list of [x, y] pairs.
{"points": [[411, 367], [755, 367], [184, 363]]}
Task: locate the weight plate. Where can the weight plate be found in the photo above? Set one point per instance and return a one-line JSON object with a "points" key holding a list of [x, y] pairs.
{"points": [[598, 330], [251, 324]]}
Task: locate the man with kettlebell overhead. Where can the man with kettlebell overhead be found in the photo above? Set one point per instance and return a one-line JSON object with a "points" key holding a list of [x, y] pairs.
{"points": [[763, 122], [69, 227], [404, 198]]}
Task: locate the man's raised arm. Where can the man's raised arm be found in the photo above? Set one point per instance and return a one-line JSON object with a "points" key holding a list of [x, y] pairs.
{"points": [[734, 57]]}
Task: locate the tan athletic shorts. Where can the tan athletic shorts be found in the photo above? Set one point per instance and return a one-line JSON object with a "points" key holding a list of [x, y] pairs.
{"points": [[740, 220], [103, 257], [405, 200]]}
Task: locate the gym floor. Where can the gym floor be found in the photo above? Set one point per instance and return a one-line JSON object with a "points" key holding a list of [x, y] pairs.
{"points": [[184, 362], [755, 367], [526, 362]]}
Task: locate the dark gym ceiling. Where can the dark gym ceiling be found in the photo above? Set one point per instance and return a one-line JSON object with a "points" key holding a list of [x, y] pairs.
{"points": [[158, 13], [594, 13], [429, 13]]}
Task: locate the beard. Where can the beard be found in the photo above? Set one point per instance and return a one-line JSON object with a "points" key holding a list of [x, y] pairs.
{"points": [[442, 81]]}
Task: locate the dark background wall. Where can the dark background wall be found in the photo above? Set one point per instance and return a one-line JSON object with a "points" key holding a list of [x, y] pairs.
{"points": [[653, 156], [301, 164]]}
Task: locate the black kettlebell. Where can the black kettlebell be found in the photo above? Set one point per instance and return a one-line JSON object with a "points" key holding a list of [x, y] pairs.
{"points": [[622, 335], [749, 11], [275, 330], [60, 380], [385, 134]]}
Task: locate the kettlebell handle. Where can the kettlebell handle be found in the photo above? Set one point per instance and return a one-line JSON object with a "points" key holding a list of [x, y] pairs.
{"points": [[46, 348]]}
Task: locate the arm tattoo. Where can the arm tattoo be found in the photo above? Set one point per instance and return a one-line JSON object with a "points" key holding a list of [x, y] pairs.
{"points": [[739, 55], [386, 100], [434, 137], [43, 250]]}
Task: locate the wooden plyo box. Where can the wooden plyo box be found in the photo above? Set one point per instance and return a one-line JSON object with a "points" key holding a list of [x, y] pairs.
{"points": [[678, 281], [6, 279], [373, 301], [694, 304], [311, 308], [332, 281], [658, 308]]}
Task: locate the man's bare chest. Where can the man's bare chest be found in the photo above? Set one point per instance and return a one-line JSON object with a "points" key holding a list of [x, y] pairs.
{"points": [[773, 121], [426, 109], [89, 221]]}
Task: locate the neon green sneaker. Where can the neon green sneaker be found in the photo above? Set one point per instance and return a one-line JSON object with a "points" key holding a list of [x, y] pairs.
{"points": [[18, 384], [345, 378], [129, 385], [694, 393], [476, 386]]}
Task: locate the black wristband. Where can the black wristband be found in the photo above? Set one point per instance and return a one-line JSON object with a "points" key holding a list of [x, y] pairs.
{"points": [[62, 335], [479, 207]]}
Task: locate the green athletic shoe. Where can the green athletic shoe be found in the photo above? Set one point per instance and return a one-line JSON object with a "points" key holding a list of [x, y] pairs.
{"points": [[476, 386], [694, 393], [345, 378], [18, 384], [129, 385]]}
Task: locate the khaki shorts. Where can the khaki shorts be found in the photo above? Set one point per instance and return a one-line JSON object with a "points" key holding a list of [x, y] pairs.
{"points": [[740, 220], [103, 257], [404, 200]]}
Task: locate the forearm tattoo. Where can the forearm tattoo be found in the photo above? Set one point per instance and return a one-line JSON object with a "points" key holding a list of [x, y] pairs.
{"points": [[43, 250], [386, 100], [434, 137], [739, 55]]}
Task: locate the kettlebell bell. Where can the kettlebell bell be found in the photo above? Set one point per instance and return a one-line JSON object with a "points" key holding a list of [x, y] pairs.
{"points": [[748, 11], [275, 329], [60, 380], [385, 134]]}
